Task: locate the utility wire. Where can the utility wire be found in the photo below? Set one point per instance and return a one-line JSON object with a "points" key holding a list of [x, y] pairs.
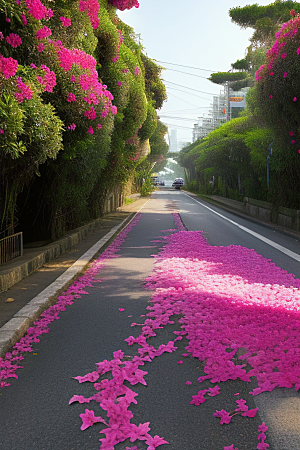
{"points": [[177, 118], [189, 103], [190, 93], [178, 126], [186, 73], [191, 89], [181, 65], [185, 110]]}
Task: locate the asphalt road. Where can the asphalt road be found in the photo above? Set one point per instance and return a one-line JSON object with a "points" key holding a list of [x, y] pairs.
{"points": [[34, 410]]}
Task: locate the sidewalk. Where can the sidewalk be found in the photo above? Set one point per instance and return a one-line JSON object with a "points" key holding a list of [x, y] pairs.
{"points": [[44, 276]]}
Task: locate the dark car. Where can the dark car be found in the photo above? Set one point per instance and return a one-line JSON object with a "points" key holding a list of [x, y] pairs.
{"points": [[178, 183]]}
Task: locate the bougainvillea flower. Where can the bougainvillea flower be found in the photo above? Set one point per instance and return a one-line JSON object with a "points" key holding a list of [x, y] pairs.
{"points": [[40, 47], [263, 427], [14, 40], [43, 33], [89, 418], [71, 97], [37, 10], [8, 66], [224, 416], [65, 21], [24, 92]]}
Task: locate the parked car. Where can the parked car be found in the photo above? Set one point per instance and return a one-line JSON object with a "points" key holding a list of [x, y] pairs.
{"points": [[178, 183]]}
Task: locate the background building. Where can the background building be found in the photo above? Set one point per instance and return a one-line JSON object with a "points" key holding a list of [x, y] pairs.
{"points": [[225, 106]]}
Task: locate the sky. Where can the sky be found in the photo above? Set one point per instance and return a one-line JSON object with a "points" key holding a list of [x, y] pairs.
{"points": [[194, 33]]}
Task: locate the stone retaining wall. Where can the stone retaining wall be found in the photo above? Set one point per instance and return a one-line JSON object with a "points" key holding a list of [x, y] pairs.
{"points": [[265, 211]]}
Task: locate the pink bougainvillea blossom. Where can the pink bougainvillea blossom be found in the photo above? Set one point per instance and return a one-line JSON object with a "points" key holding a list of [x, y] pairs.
{"points": [[43, 33], [91, 113], [65, 21], [48, 80], [124, 4], [24, 91], [8, 367], [37, 10], [90, 130], [24, 19], [137, 71], [95, 92], [262, 445], [89, 418], [8, 66], [72, 127], [14, 40], [91, 7], [71, 97], [40, 47]]}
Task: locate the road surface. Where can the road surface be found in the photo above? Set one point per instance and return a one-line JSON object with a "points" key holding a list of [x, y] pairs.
{"points": [[34, 411]]}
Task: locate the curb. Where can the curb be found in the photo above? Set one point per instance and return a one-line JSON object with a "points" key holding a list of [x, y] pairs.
{"points": [[9, 278], [15, 328]]}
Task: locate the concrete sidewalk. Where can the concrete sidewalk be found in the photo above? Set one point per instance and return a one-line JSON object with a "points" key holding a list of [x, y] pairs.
{"points": [[32, 282]]}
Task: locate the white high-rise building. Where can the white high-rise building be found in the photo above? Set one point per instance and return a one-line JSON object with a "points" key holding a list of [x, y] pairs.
{"points": [[218, 114]]}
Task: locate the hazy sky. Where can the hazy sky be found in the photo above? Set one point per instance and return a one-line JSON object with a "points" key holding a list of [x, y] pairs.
{"points": [[195, 33]]}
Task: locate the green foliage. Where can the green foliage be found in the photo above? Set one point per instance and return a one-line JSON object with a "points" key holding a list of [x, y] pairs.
{"points": [[12, 126], [158, 144], [217, 162], [223, 77], [149, 125], [241, 64], [54, 179], [255, 16], [156, 90], [238, 85]]}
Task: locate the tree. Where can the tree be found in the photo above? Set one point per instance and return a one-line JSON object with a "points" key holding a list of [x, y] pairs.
{"points": [[78, 105]]}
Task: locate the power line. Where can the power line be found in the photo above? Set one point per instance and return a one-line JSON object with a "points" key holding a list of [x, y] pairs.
{"points": [[177, 126], [190, 93], [185, 110], [177, 118], [189, 103], [191, 89], [186, 73], [181, 65]]}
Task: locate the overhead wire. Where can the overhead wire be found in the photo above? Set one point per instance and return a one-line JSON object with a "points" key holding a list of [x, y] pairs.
{"points": [[186, 87], [186, 73], [190, 93], [189, 103], [176, 118], [181, 65]]}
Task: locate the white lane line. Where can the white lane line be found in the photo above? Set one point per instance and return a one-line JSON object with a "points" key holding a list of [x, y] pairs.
{"points": [[282, 249]]}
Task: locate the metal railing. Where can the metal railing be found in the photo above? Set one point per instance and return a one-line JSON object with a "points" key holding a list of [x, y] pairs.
{"points": [[11, 247]]}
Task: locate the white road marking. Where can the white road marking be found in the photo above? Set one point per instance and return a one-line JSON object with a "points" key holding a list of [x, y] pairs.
{"points": [[282, 249]]}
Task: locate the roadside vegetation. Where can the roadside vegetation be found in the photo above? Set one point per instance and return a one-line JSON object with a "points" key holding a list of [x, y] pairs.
{"points": [[232, 160], [78, 107]]}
